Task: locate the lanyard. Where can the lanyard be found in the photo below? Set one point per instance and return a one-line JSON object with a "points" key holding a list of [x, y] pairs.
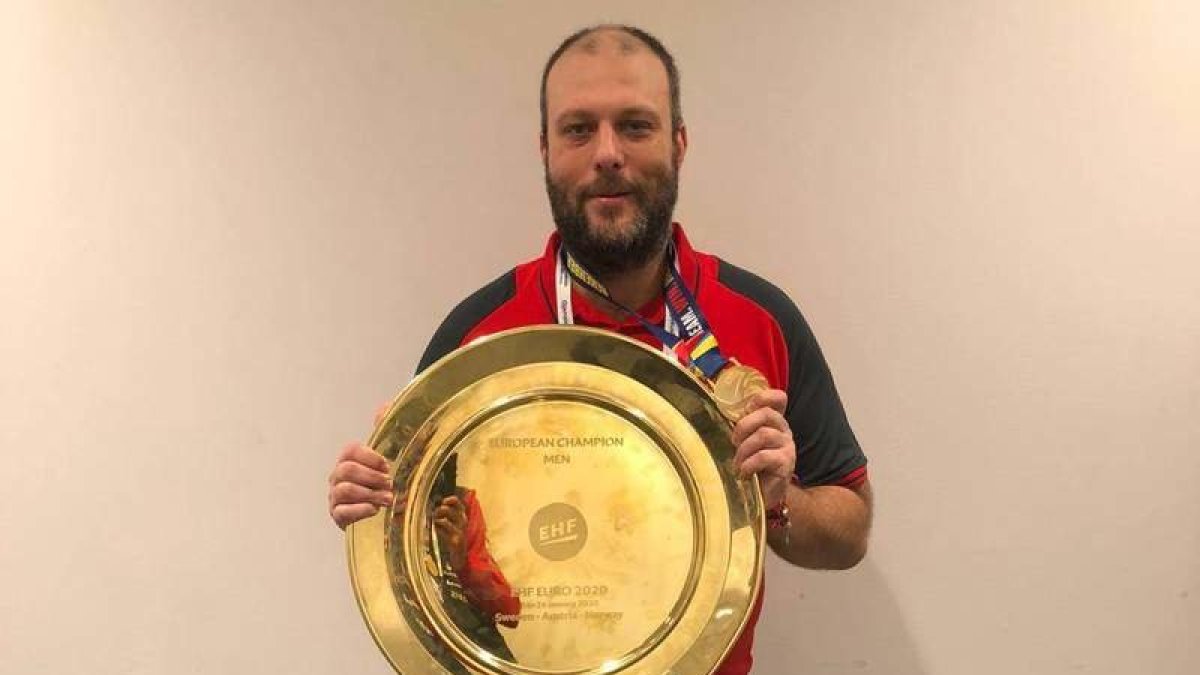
{"points": [[685, 334], [563, 274]]}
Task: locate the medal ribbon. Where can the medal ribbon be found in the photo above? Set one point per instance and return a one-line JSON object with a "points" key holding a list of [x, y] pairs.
{"points": [[696, 348]]}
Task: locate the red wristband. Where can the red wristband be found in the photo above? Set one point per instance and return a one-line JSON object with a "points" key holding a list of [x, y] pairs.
{"points": [[777, 516]]}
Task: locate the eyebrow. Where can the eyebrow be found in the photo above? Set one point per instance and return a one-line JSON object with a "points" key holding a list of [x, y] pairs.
{"points": [[630, 111]]}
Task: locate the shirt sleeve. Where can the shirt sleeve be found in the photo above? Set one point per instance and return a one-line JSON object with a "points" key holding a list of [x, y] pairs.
{"points": [[468, 314], [827, 452]]}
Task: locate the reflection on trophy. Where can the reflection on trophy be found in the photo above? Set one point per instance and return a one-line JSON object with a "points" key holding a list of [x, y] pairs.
{"points": [[475, 593], [615, 537]]}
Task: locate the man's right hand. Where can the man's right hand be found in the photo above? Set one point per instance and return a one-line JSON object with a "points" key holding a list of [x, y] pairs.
{"points": [[359, 485]]}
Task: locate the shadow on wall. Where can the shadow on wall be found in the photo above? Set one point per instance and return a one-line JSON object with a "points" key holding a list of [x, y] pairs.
{"points": [[832, 623]]}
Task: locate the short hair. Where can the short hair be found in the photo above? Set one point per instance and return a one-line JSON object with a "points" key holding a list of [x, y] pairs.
{"points": [[649, 40]]}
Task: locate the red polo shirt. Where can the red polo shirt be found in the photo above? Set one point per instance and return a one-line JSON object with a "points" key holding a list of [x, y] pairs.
{"points": [[752, 320]]}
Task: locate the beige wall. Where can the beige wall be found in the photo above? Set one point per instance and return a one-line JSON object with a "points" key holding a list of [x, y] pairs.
{"points": [[225, 234]]}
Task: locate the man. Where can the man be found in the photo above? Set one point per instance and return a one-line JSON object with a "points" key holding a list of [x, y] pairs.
{"points": [[612, 144]]}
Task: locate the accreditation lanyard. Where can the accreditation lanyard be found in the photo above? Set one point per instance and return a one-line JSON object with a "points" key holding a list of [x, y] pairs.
{"points": [[685, 334]]}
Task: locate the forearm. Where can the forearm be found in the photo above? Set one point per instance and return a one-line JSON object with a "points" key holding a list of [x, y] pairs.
{"points": [[829, 527]]}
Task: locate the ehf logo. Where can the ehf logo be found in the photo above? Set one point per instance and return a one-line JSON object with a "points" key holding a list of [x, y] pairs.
{"points": [[557, 531]]}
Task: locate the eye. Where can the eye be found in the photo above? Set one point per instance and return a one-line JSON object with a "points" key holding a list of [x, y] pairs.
{"points": [[636, 127], [577, 130]]}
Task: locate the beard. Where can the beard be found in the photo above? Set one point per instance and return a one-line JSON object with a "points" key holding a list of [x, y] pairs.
{"points": [[611, 253]]}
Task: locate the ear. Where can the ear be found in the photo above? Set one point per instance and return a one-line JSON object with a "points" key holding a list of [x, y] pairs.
{"points": [[681, 143], [543, 147]]}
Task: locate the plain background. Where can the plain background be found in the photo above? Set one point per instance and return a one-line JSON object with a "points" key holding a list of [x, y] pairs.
{"points": [[230, 227]]}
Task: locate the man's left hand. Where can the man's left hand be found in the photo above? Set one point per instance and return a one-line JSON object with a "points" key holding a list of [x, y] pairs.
{"points": [[765, 445]]}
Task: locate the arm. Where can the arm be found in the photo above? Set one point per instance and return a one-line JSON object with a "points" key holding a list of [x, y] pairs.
{"points": [[482, 580], [807, 453], [828, 524], [829, 528]]}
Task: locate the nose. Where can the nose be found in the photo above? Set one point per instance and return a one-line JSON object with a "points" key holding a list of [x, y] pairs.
{"points": [[609, 155]]}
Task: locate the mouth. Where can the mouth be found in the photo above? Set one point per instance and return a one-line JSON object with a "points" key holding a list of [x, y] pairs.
{"points": [[609, 196]]}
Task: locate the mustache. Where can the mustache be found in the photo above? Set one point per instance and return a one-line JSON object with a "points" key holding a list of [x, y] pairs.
{"points": [[608, 186]]}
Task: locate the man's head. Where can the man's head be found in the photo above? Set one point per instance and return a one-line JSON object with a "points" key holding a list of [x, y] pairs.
{"points": [[612, 143]]}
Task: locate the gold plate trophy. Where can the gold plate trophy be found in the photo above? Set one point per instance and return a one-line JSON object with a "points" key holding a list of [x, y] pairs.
{"points": [[565, 504]]}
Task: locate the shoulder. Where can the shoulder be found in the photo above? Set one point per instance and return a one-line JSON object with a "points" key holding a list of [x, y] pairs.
{"points": [[468, 314], [746, 290], [759, 291], [764, 317], [512, 299]]}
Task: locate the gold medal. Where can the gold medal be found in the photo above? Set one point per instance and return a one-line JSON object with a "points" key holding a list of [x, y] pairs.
{"points": [[734, 389]]}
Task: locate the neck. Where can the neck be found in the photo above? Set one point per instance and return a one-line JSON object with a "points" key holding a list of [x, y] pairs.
{"points": [[632, 288]]}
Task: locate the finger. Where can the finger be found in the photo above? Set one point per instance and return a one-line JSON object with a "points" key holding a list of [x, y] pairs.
{"points": [[353, 472], [776, 399], [459, 516], [363, 454], [763, 437], [447, 528], [351, 493], [772, 462], [455, 514], [345, 514], [458, 510], [763, 417]]}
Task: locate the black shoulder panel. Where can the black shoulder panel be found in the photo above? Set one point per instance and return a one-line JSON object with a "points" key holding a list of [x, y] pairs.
{"points": [[467, 315], [769, 297], [826, 449]]}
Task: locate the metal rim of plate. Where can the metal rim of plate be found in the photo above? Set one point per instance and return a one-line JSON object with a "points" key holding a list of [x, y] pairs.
{"points": [[568, 365]]}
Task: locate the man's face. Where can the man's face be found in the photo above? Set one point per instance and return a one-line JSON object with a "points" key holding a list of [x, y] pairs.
{"points": [[610, 156]]}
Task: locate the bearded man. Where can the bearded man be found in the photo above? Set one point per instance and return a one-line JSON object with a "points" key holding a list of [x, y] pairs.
{"points": [[612, 144]]}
